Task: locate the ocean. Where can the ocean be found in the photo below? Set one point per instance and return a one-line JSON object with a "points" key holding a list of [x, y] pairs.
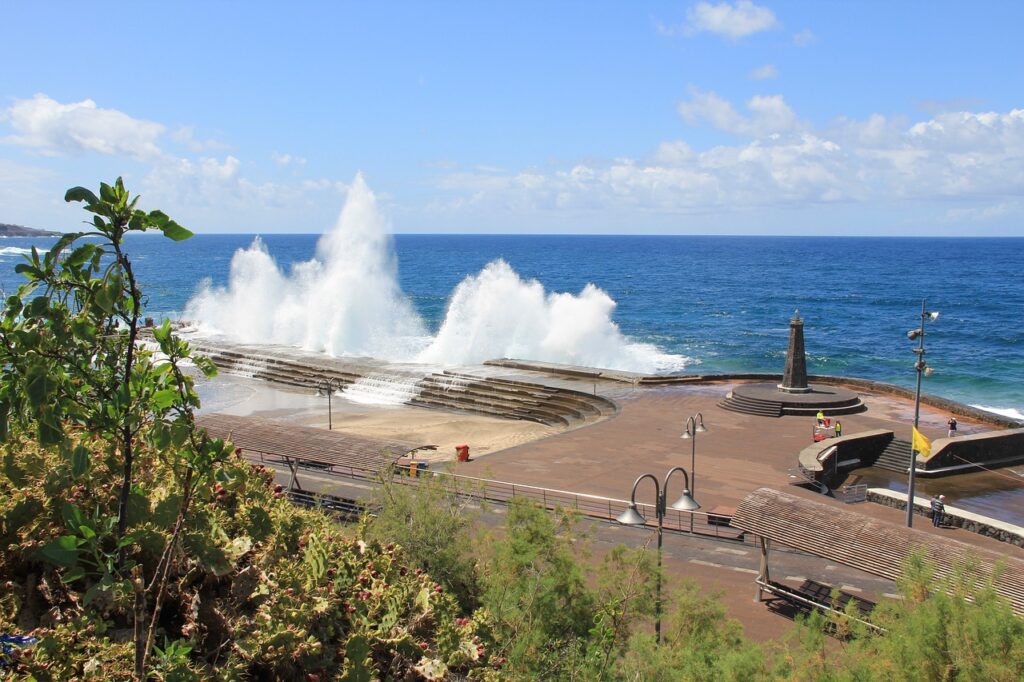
{"points": [[650, 303]]}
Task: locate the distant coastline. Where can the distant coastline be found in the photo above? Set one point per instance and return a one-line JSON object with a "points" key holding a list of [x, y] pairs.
{"points": [[7, 230]]}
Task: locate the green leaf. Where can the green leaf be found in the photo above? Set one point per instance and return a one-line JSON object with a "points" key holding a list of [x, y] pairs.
{"points": [[175, 231], [63, 551], [163, 332], [104, 299], [164, 399], [80, 255], [49, 429], [63, 242], [205, 365], [86, 532], [39, 385], [72, 575], [79, 461], [83, 329], [180, 431], [80, 194], [107, 193], [72, 515]]}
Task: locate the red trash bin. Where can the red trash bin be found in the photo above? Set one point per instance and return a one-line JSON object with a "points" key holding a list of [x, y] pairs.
{"points": [[462, 452]]}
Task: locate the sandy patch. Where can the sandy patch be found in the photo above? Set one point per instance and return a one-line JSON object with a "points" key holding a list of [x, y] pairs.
{"points": [[483, 435]]}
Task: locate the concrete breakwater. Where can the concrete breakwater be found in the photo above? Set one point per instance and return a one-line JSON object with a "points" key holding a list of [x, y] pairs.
{"points": [[959, 518]]}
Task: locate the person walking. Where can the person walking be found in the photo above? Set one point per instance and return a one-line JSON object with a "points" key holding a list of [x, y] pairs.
{"points": [[938, 510], [952, 427]]}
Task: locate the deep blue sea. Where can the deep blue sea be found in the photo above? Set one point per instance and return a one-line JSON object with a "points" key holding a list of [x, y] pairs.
{"points": [[724, 302]]}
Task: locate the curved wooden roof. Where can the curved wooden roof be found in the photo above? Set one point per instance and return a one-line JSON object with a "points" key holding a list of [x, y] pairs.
{"points": [[868, 544], [303, 443]]}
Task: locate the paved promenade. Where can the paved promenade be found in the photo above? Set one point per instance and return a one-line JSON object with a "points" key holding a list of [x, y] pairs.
{"points": [[737, 455]]}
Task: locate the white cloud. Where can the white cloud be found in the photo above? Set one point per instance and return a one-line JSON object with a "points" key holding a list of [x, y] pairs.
{"points": [[736, 20], [981, 214], [804, 38], [287, 159], [185, 135], [766, 72], [973, 158], [52, 129], [769, 114]]}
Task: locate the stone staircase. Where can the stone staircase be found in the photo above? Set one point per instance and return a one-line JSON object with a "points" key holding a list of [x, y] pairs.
{"points": [[747, 405], [772, 408], [895, 456], [453, 391]]}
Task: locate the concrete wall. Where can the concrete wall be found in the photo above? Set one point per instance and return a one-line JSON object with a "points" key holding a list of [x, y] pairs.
{"points": [[994, 449], [959, 518], [864, 447]]}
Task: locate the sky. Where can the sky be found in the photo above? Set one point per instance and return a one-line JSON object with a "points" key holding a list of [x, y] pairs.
{"points": [[735, 117]]}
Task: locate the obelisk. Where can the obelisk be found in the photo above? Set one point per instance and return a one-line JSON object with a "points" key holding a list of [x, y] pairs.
{"points": [[794, 378]]}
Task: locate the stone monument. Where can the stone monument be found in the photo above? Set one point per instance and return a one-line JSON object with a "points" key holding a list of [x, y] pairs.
{"points": [[794, 377], [794, 395]]}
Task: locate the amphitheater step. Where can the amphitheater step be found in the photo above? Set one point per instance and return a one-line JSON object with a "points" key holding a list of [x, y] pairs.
{"points": [[497, 397]]}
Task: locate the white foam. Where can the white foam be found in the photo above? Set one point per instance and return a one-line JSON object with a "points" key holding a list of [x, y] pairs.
{"points": [[346, 301], [14, 251], [1004, 411], [382, 389]]}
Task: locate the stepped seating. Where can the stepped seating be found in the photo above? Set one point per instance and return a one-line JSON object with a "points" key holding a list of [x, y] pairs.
{"points": [[510, 399], [748, 405], [505, 398], [895, 456]]}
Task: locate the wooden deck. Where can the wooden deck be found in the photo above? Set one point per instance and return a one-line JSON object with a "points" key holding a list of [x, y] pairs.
{"points": [[870, 545]]}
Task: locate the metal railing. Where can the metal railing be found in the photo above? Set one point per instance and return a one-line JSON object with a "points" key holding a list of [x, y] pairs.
{"points": [[502, 492]]}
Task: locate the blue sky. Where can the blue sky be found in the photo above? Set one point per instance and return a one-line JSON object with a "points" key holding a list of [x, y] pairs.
{"points": [[873, 118]]}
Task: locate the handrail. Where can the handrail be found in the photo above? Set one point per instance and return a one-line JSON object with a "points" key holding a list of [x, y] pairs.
{"points": [[593, 506]]}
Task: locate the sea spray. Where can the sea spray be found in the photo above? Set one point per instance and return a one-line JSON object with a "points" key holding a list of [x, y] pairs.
{"points": [[344, 301], [497, 314], [347, 301]]}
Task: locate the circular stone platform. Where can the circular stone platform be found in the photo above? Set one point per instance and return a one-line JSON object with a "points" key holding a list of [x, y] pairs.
{"points": [[767, 400]]}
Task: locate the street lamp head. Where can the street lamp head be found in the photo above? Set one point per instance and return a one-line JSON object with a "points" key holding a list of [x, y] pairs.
{"points": [[685, 502], [686, 433], [934, 315], [914, 334], [320, 390], [631, 517], [928, 371], [700, 427]]}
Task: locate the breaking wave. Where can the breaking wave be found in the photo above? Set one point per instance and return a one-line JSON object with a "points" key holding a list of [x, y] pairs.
{"points": [[346, 301]]}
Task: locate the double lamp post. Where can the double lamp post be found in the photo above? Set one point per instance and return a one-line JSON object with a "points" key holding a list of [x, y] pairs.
{"points": [[922, 370], [685, 503]]}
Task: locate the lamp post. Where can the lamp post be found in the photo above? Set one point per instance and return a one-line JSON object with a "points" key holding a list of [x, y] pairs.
{"points": [[922, 370], [694, 425], [632, 517], [328, 386]]}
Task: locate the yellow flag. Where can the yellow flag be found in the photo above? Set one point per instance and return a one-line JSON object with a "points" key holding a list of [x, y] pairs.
{"points": [[920, 443]]}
